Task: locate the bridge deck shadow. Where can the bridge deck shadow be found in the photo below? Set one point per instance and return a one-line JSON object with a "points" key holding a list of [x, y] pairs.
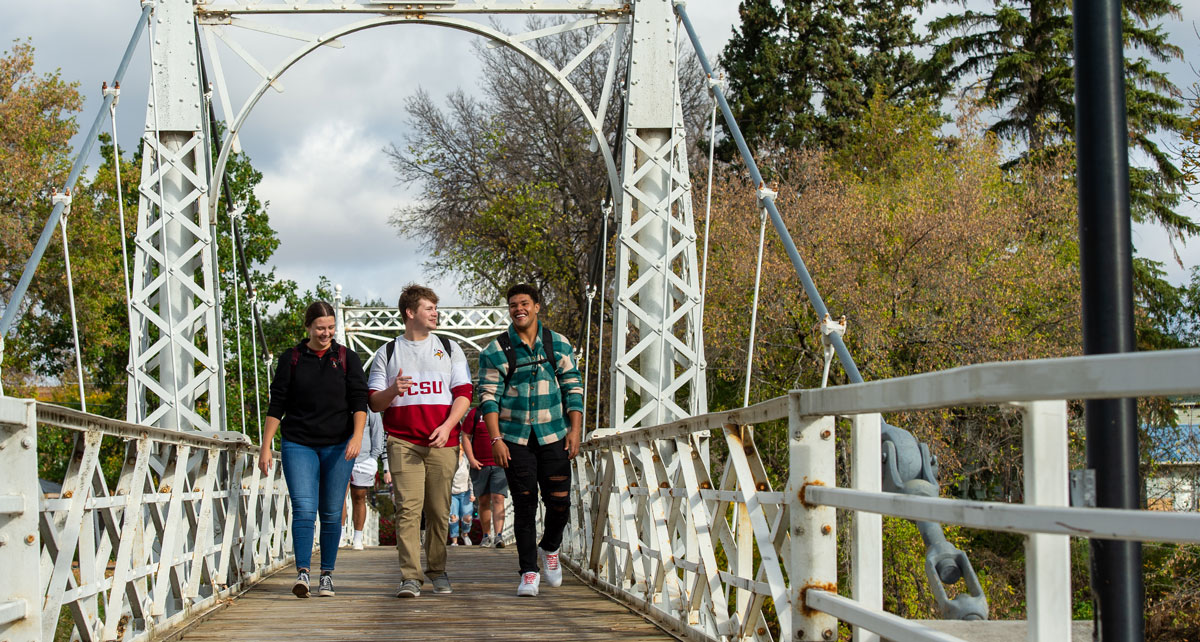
{"points": [[483, 605]]}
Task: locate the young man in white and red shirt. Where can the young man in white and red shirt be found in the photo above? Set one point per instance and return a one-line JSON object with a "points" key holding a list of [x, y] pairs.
{"points": [[422, 385]]}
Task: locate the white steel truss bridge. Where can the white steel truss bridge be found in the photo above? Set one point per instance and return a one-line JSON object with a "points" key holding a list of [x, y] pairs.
{"points": [[706, 549]]}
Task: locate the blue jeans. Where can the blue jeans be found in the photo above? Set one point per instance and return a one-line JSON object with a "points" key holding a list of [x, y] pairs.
{"points": [[317, 480], [461, 512]]}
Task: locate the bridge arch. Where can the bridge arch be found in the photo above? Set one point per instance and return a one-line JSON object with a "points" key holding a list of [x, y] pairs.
{"points": [[595, 121]]}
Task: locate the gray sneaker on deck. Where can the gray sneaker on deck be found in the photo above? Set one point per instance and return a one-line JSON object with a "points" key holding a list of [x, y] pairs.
{"points": [[325, 586], [300, 588], [409, 588], [441, 584]]}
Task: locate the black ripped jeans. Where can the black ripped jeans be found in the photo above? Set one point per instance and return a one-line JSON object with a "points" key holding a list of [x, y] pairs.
{"points": [[531, 466]]}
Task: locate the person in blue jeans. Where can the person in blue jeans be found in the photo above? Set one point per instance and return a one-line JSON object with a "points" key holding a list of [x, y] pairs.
{"points": [[319, 402], [462, 503]]}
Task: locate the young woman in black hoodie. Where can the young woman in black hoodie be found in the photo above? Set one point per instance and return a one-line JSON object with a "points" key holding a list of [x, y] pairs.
{"points": [[319, 400]]}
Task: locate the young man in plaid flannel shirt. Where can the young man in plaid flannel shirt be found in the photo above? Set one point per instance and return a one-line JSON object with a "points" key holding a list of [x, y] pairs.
{"points": [[523, 410]]}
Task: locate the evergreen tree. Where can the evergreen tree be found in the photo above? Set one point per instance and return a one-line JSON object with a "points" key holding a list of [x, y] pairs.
{"points": [[1021, 55], [800, 73]]}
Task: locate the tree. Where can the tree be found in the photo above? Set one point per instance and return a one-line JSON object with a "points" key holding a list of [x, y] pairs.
{"points": [[510, 190], [938, 257], [800, 73], [1021, 55]]}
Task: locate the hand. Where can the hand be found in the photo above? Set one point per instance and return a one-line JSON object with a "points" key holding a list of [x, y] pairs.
{"points": [[352, 448], [440, 436], [387, 477], [500, 453], [475, 465], [265, 457], [572, 445], [402, 383]]}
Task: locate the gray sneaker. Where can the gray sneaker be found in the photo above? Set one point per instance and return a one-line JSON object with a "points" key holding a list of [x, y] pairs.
{"points": [[300, 588], [409, 588], [441, 584], [325, 587]]}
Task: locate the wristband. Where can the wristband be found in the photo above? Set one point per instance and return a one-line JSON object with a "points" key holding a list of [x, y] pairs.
{"points": [[495, 439]]}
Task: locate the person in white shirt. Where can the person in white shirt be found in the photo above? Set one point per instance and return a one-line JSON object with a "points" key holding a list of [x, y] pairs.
{"points": [[422, 385], [362, 476]]}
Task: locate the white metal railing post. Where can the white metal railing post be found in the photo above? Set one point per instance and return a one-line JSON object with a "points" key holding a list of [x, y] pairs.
{"points": [[814, 527], [20, 541], [1047, 557], [866, 570]]}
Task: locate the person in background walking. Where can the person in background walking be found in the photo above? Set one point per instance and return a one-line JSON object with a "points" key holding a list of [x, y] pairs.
{"points": [[319, 403], [490, 483], [362, 477], [462, 503]]}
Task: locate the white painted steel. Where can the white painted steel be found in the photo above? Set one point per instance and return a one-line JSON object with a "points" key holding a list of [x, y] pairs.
{"points": [[1099, 523], [892, 627], [814, 527], [176, 360], [866, 539], [1047, 557], [234, 7], [153, 550], [365, 329], [21, 591], [1138, 374]]}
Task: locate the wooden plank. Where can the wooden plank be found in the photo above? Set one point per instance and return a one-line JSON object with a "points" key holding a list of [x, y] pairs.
{"points": [[484, 605]]}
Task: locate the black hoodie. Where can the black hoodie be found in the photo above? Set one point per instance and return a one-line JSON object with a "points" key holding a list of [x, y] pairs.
{"points": [[316, 400]]}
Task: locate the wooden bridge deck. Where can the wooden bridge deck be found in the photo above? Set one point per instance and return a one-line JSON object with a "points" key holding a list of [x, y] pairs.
{"points": [[484, 605]]}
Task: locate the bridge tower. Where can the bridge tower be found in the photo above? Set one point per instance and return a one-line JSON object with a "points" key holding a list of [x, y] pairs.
{"points": [[657, 349], [175, 366], [658, 346]]}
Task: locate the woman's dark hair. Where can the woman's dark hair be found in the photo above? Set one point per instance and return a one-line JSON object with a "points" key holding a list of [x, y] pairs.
{"points": [[523, 288], [316, 310]]}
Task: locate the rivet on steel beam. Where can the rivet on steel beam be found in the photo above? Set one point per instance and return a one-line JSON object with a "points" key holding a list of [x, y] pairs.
{"points": [[826, 434], [826, 529], [30, 539], [26, 443], [798, 434], [827, 634]]}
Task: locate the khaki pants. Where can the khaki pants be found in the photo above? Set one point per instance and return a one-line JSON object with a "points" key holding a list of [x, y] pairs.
{"points": [[422, 477]]}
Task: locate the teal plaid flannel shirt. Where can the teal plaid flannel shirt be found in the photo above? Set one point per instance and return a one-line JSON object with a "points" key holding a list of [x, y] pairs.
{"points": [[532, 402]]}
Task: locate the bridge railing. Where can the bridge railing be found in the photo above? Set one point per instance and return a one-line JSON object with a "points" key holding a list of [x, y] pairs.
{"points": [[146, 529], [723, 558]]}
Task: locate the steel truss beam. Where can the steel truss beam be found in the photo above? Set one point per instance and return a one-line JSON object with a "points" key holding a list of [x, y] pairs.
{"points": [[366, 328], [658, 353], [176, 363]]}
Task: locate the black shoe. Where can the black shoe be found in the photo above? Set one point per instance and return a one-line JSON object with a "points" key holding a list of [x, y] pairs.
{"points": [[499, 543], [325, 587]]}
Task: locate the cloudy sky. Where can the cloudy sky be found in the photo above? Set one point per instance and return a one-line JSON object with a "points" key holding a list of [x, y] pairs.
{"points": [[319, 143]]}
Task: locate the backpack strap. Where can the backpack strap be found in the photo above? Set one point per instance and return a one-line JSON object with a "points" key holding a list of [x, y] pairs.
{"points": [[295, 360], [510, 355]]}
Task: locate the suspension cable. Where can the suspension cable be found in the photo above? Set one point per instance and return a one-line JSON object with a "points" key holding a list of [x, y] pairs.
{"points": [[62, 224], [590, 293], [607, 209], [237, 323], [162, 214], [712, 149], [253, 301], [762, 237], [115, 90], [14, 302]]}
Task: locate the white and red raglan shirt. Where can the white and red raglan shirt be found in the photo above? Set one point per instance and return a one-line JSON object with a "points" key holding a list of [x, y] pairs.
{"points": [[438, 378]]}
